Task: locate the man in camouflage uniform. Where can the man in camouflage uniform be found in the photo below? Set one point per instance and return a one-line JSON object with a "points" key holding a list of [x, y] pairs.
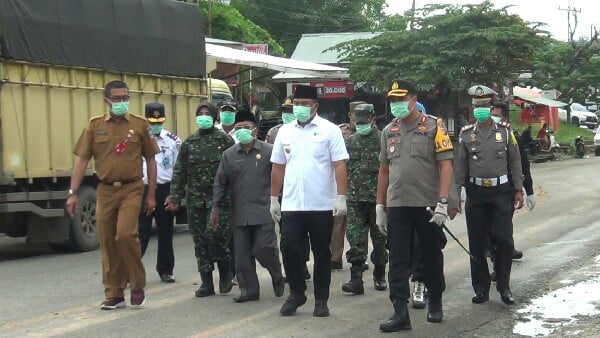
{"points": [[194, 171], [363, 148], [339, 222]]}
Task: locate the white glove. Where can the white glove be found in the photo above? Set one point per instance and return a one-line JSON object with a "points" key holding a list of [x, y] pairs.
{"points": [[530, 201], [463, 194], [340, 208], [440, 215], [381, 218], [275, 209]]}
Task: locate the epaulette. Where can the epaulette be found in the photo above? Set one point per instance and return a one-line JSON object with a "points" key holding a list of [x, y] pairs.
{"points": [[344, 125], [97, 117], [467, 127], [431, 117], [172, 136], [503, 124]]}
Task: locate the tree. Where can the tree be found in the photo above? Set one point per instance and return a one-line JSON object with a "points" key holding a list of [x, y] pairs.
{"points": [[229, 24], [451, 46], [287, 20]]}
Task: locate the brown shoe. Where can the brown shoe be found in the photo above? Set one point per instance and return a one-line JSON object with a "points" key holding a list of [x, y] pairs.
{"points": [[137, 298], [111, 303]]}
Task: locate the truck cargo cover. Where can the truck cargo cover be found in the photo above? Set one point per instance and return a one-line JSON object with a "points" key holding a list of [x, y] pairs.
{"points": [[139, 36]]}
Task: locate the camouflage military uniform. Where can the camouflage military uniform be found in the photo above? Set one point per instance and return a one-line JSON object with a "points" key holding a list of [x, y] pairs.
{"points": [[362, 188], [194, 171]]}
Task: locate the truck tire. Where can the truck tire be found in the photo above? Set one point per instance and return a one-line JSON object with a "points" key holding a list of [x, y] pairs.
{"points": [[84, 230], [597, 151], [575, 121]]}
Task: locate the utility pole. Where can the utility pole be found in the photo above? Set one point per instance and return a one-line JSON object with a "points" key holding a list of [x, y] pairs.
{"points": [[209, 18], [412, 20], [569, 10]]}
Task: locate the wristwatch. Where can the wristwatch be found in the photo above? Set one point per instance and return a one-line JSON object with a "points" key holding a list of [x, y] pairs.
{"points": [[70, 193], [443, 200]]}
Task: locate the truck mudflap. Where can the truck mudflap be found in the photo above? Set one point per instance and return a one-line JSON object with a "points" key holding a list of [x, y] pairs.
{"points": [[30, 207]]}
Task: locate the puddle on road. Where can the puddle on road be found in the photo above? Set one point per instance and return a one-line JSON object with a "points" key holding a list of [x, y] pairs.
{"points": [[559, 308]]}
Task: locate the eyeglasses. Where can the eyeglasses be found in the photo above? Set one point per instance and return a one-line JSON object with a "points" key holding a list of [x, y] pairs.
{"points": [[244, 127], [123, 98]]}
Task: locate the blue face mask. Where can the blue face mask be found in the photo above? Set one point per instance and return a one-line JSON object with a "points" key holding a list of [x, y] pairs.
{"points": [[156, 128], [399, 109], [288, 117], [364, 129], [244, 136], [302, 113], [204, 121], [119, 108], [481, 114]]}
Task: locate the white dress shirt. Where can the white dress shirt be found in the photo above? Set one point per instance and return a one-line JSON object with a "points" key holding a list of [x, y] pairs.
{"points": [[308, 154], [231, 132], [169, 144]]}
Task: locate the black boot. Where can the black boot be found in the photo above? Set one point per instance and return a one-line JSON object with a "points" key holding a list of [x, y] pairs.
{"points": [[379, 278], [225, 277], [206, 288], [355, 285], [400, 320], [434, 310]]}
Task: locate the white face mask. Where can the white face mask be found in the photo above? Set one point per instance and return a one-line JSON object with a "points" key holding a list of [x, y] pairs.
{"points": [[497, 119]]}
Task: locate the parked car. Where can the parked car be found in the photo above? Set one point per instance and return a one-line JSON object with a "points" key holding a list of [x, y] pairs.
{"points": [[580, 116], [597, 142]]}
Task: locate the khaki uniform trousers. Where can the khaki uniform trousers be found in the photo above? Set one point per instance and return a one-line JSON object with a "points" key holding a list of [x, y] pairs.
{"points": [[117, 211], [337, 238]]}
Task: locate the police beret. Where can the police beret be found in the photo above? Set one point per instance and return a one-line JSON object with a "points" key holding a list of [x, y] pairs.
{"points": [[353, 105], [155, 112], [306, 92], [288, 102], [245, 116], [401, 88], [481, 95], [363, 113]]}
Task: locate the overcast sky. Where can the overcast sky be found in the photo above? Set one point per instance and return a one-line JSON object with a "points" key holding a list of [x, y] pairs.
{"points": [[530, 10]]}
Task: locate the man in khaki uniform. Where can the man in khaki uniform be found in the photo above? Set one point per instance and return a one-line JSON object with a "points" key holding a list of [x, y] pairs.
{"points": [[117, 141], [339, 222]]}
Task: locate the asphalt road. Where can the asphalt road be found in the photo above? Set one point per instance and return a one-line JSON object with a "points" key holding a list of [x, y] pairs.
{"points": [[46, 294]]}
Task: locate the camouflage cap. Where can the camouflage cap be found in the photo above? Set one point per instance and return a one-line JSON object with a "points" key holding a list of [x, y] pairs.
{"points": [[481, 95], [363, 113], [353, 105]]}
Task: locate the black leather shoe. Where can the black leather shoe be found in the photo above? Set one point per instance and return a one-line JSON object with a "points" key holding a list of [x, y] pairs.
{"points": [[167, 278], [480, 297], [507, 297], [279, 287], [517, 254], [434, 311], [321, 309], [246, 298], [292, 303], [336, 265]]}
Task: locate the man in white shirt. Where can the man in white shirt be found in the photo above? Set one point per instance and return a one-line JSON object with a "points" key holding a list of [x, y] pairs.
{"points": [[168, 144], [227, 112], [309, 163]]}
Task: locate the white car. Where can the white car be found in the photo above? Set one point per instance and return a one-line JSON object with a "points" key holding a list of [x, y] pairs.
{"points": [[597, 142], [580, 116]]}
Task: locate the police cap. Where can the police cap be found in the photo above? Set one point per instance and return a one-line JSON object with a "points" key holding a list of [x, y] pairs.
{"points": [[155, 112], [228, 106], [363, 113], [288, 102], [401, 88], [481, 95]]}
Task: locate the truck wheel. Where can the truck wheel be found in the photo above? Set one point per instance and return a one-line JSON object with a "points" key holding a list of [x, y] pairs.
{"points": [[84, 230], [597, 151], [575, 121]]}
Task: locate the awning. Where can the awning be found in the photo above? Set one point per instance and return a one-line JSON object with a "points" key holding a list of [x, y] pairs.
{"points": [[240, 57], [540, 100], [295, 77]]}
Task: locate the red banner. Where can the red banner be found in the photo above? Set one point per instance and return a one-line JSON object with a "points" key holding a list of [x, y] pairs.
{"points": [[332, 89], [262, 48]]}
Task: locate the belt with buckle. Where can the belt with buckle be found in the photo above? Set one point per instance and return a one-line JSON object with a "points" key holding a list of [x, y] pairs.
{"points": [[119, 184], [489, 182]]}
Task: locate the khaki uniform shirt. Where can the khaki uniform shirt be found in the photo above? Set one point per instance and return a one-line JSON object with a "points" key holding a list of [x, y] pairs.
{"points": [[103, 135], [412, 153], [347, 130], [488, 153]]}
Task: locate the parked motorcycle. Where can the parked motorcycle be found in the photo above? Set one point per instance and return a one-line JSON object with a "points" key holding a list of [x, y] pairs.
{"points": [[579, 147]]}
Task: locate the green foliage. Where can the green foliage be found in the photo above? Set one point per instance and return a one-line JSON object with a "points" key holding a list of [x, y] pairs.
{"points": [[229, 24], [287, 20], [454, 46], [569, 67]]}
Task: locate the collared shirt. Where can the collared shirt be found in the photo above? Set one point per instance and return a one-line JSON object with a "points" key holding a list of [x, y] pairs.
{"points": [[412, 153], [230, 133], [117, 146], [169, 144], [488, 153], [247, 176], [308, 154], [272, 133]]}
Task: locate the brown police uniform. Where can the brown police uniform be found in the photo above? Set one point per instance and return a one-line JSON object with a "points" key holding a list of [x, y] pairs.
{"points": [[117, 147]]}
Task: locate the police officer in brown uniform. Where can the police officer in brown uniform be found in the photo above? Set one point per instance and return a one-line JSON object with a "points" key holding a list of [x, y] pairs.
{"points": [[415, 172], [489, 166], [117, 141], [339, 222]]}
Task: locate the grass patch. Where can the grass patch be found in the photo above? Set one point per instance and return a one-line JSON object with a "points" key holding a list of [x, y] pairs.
{"points": [[565, 136]]}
